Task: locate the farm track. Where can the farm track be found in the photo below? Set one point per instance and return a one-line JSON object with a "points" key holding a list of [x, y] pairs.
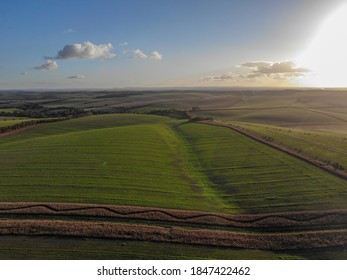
{"points": [[8, 133], [328, 115], [333, 149], [304, 157], [321, 228]]}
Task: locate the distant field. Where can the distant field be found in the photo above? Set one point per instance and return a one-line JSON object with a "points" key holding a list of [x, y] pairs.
{"points": [[6, 121], [295, 107], [282, 116], [9, 110]]}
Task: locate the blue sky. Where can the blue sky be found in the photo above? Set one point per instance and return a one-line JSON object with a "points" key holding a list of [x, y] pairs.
{"points": [[116, 43]]}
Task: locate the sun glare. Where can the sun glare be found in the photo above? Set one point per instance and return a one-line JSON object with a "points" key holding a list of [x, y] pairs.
{"points": [[326, 56]]}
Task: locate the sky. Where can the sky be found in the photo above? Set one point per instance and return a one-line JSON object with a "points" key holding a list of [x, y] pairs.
{"points": [[51, 44]]}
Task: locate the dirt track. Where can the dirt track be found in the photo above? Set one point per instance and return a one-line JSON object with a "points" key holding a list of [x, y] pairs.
{"points": [[322, 228], [256, 221], [8, 133]]}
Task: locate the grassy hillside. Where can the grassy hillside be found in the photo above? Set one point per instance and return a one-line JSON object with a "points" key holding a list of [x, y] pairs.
{"points": [[327, 146], [144, 160], [38, 248], [257, 178], [156, 161], [118, 159]]}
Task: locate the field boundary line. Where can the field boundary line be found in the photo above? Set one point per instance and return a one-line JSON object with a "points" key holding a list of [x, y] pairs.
{"points": [[267, 241], [253, 136]]}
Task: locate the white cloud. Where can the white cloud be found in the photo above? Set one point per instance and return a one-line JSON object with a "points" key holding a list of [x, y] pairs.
{"points": [[69, 30], [156, 56], [124, 44], [79, 77], [49, 65], [138, 54], [86, 50]]}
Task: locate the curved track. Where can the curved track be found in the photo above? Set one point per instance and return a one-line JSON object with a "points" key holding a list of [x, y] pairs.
{"points": [[274, 231]]}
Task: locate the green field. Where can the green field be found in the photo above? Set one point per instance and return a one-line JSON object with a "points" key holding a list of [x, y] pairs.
{"points": [[255, 178], [53, 248], [156, 161], [125, 159], [325, 145], [34, 248]]}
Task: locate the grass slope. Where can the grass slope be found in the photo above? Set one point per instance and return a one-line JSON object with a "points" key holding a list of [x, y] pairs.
{"points": [[113, 159], [256, 178], [38, 248], [326, 146], [155, 161]]}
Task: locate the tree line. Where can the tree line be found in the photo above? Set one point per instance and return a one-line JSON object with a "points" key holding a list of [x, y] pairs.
{"points": [[29, 123], [33, 110]]}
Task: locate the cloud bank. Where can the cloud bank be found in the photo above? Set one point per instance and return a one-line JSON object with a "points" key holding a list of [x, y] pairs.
{"points": [[262, 70], [285, 68]]}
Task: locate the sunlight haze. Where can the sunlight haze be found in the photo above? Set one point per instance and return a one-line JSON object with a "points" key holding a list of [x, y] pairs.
{"points": [[326, 55], [117, 43]]}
